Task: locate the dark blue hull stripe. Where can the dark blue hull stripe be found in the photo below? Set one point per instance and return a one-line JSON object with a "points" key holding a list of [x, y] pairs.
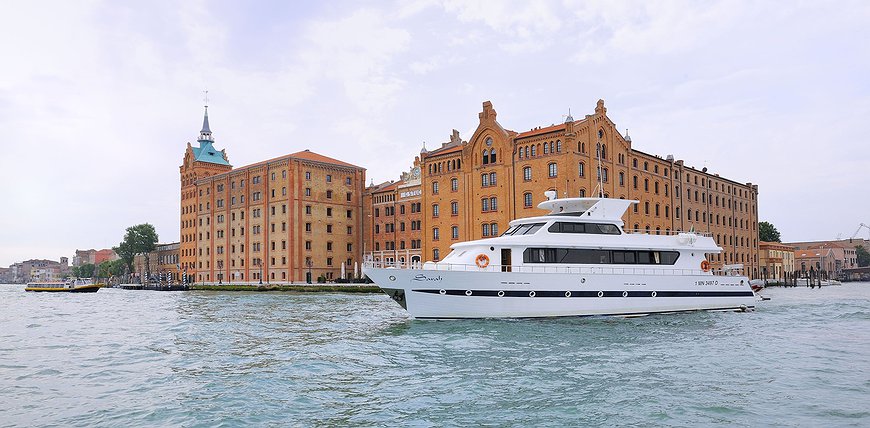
{"points": [[588, 293], [622, 314]]}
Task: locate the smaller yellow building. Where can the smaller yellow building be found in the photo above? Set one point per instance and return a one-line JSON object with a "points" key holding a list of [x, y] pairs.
{"points": [[776, 260]]}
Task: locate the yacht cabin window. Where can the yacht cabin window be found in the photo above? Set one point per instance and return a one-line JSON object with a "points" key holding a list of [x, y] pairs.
{"points": [[524, 229], [591, 256], [592, 228]]}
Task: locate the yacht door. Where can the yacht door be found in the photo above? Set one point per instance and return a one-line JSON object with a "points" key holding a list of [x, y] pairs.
{"points": [[505, 259]]}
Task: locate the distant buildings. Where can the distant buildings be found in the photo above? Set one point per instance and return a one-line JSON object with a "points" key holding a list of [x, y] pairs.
{"points": [[776, 261], [94, 257], [831, 256], [37, 270]]}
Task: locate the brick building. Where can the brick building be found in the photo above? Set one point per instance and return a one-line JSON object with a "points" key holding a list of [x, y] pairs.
{"points": [[393, 215], [292, 218], [472, 189]]}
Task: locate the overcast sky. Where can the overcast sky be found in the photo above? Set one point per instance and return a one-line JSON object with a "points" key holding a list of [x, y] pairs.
{"points": [[99, 99]]}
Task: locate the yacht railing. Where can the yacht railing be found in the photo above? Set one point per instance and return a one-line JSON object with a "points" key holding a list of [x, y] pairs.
{"points": [[579, 270], [666, 232]]}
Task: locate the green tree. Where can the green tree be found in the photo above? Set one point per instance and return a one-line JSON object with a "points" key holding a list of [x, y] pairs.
{"points": [[767, 232], [117, 267], [862, 255], [104, 268], [139, 239], [84, 271]]}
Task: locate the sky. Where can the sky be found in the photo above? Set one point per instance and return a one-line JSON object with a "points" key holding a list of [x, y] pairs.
{"points": [[99, 99]]}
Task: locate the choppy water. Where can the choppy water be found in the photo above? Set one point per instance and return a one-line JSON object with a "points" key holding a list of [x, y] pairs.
{"points": [[143, 358]]}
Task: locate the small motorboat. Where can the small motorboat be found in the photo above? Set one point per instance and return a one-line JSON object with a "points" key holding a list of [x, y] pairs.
{"points": [[73, 285]]}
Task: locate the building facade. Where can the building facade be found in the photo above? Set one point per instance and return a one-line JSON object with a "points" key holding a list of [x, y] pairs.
{"points": [[293, 218], [776, 261], [393, 213], [472, 189]]}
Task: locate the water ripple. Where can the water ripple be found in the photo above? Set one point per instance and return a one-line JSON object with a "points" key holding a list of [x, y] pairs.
{"points": [[126, 358]]}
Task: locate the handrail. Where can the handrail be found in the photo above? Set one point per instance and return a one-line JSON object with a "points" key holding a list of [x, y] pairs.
{"points": [[545, 268], [666, 232]]}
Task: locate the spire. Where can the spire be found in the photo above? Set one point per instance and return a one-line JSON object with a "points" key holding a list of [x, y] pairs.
{"points": [[205, 133], [569, 118]]}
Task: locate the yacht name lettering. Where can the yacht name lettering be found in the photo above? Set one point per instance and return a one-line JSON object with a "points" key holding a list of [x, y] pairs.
{"points": [[421, 277]]}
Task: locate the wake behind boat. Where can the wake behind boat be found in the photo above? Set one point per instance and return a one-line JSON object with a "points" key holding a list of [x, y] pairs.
{"points": [[76, 285], [576, 261]]}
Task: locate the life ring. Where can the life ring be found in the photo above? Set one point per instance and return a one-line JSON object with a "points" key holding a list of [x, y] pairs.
{"points": [[705, 266], [482, 261]]}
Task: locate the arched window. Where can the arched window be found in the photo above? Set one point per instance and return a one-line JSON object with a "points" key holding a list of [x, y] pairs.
{"points": [[646, 185], [527, 173], [546, 149], [582, 168], [485, 156], [559, 146], [551, 169], [534, 151], [622, 178], [527, 200], [491, 155], [604, 151], [520, 153], [582, 193]]}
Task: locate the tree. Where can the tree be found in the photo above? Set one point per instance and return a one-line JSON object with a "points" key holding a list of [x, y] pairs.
{"points": [[84, 271], [863, 256], [139, 239], [767, 232]]}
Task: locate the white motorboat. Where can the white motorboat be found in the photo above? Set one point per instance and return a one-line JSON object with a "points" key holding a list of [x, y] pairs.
{"points": [[576, 261]]}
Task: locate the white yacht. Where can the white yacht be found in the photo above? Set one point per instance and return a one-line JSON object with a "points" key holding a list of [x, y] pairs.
{"points": [[576, 261]]}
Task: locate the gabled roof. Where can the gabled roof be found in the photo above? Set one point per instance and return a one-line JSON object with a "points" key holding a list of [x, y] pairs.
{"points": [[316, 157], [207, 153]]}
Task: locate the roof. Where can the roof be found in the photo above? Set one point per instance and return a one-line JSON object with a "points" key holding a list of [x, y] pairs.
{"points": [[207, 153], [538, 131], [309, 155], [205, 128], [809, 253]]}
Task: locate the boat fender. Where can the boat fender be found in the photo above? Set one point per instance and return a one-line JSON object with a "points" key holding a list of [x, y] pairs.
{"points": [[568, 294], [532, 293], [600, 294], [482, 261], [467, 292], [705, 266], [500, 293]]}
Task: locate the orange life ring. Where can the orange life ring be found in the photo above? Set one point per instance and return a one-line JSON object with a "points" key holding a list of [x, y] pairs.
{"points": [[482, 261], [705, 266]]}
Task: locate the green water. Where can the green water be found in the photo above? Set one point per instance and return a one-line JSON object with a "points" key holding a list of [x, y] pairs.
{"points": [[146, 358]]}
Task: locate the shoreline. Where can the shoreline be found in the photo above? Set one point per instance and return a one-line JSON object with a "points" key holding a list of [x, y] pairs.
{"points": [[299, 288]]}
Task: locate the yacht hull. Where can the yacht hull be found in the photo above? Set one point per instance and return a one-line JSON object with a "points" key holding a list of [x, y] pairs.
{"points": [[463, 294]]}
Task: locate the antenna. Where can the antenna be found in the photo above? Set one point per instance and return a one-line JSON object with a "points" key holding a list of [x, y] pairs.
{"points": [[599, 188], [205, 97]]}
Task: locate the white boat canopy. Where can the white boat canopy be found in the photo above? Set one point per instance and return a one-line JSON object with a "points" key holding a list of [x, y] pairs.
{"points": [[591, 208]]}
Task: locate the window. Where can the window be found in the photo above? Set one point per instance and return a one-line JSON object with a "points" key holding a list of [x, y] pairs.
{"points": [[582, 169], [435, 210], [527, 200], [329, 194], [435, 234], [454, 232], [484, 180], [307, 175], [494, 229], [492, 179], [484, 204], [454, 208], [307, 191], [435, 187], [493, 203], [588, 228], [454, 186], [329, 178], [485, 231], [527, 173], [491, 152], [552, 170], [622, 179]]}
